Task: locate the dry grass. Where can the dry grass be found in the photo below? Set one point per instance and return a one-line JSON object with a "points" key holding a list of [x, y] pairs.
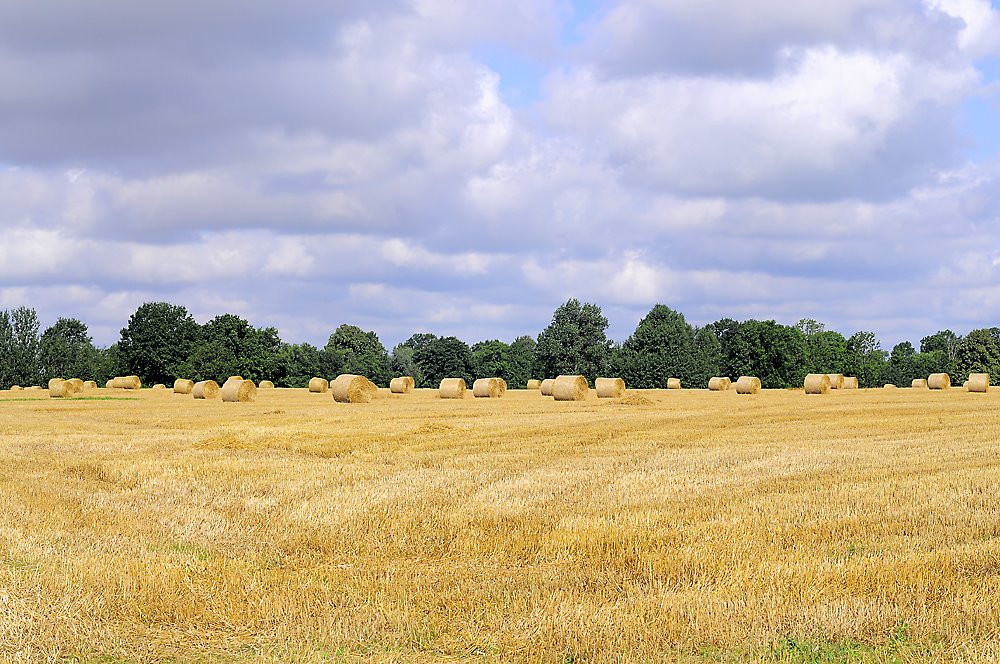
{"points": [[669, 526]]}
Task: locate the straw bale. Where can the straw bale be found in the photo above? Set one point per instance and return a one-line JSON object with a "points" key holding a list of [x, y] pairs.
{"points": [[817, 384], [570, 388], [452, 388], [487, 388], [75, 384], [545, 387], [503, 386], [748, 385], [238, 391], [131, 382], [836, 381], [55, 381], [60, 389], [16, 388], [938, 381], [978, 382], [319, 385], [32, 388], [919, 383], [349, 388], [888, 386], [401, 385], [534, 384], [850, 383], [109, 384], [183, 386], [159, 386], [205, 389], [266, 385], [719, 384], [610, 388], [673, 383], [90, 385]]}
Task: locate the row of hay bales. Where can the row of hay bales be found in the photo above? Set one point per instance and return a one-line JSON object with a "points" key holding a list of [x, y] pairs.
{"points": [[977, 382]]}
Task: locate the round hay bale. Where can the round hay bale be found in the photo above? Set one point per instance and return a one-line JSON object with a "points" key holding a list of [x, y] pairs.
{"points": [[159, 386], [32, 388], [238, 391], [452, 388], [131, 383], [60, 389], [319, 385], [266, 385], [610, 388], [836, 381], [719, 384], [75, 384], [570, 388], [487, 388], [503, 386], [534, 384], [919, 383], [748, 385], [90, 385], [401, 385], [978, 382], [349, 388], [673, 383], [938, 381], [850, 383], [888, 386], [16, 388], [817, 384], [109, 384], [545, 387], [205, 389], [183, 386]]}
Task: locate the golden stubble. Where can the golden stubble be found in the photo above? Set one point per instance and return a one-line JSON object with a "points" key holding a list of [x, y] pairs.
{"points": [[664, 525]]}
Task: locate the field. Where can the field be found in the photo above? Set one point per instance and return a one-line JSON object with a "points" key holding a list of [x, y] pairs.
{"points": [[859, 525]]}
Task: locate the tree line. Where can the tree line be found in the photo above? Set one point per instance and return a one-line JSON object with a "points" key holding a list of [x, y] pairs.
{"points": [[162, 341]]}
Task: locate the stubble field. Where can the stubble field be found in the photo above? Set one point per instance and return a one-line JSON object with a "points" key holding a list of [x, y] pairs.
{"points": [[665, 526]]}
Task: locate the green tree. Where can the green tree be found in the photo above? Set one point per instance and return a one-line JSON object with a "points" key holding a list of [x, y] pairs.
{"points": [[521, 361], [66, 350], [661, 347], [902, 368], [826, 352], [774, 353], [735, 341], [158, 339], [297, 363], [231, 346], [359, 352], [402, 363], [978, 352], [21, 353], [491, 359], [708, 356], [575, 342], [866, 359], [445, 357], [940, 351]]}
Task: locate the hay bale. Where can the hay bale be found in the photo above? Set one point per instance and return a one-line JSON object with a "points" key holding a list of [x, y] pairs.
{"points": [[109, 384], [16, 388], [131, 383], [60, 389], [487, 388], [919, 384], [205, 389], [570, 388], [183, 386], [888, 386], [817, 384], [349, 388], [319, 385], [673, 383], [452, 388], [545, 387], [938, 381], [159, 386], [266, 385], [610, 388], [719, 384], [90, 385], [978, 382], [534, 384], [850, 383], [836, 381], [33, 388], [503, 386], [75, 384], [238, 391], [401, 385], [748, 385]]}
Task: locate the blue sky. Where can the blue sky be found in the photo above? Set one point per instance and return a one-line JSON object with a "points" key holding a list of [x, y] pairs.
{"points": [[463, 168]]}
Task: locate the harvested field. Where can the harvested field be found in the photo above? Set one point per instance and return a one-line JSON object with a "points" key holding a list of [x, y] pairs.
{"points": [[692, 525]]}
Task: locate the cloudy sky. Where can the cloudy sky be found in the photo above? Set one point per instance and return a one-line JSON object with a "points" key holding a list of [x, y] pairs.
{"points": [[464, 167]]}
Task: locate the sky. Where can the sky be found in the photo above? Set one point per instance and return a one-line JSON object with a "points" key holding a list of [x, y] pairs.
{"points": [[463, 168]]}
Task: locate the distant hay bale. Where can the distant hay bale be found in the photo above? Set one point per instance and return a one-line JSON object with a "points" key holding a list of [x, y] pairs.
{"points": [[33, 388], [401, 385], [350, 388], [487, 388], [75, 384], [938, 381], [919, 383], [266, 385], [817, 384], [16, 388], [673, 383], [159, 386], [60, 389], [965, 385], [850, 383], [888, 386], [836, 381], [183, 386], [610, 388], [534, 384], [205, 389], [503, 386], [90, 385], [545, 387], [319, 385], [131, 383], [748, 385], [109, 384], [978, 382], [238, 391], [452, 388], [570, 388], [719, 384]]}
